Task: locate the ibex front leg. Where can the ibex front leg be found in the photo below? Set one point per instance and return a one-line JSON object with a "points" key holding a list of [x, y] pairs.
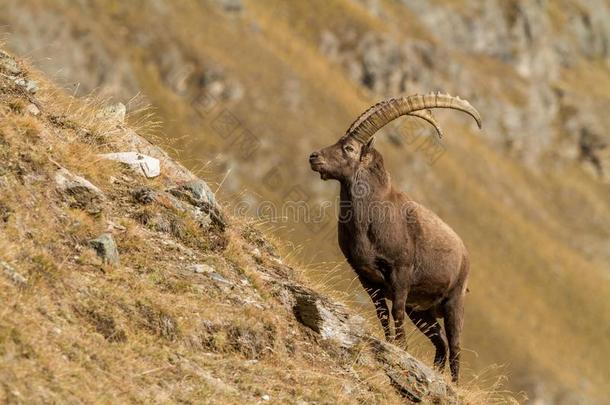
{"points": [[377, 294], [400, 291], [383, 314]]}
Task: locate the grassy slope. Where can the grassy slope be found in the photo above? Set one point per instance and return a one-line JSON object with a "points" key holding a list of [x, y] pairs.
{"points": [[149, 330], [538, 301]]}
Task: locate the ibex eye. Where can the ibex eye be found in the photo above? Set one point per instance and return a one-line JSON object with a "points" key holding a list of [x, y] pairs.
{"points": [[349, 149]]}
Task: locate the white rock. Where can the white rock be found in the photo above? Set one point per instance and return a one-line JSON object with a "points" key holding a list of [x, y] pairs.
{"points": [[29, 85], [67, 181], [32, 109], [266, 397], [145, 165], [13, 275], [202, 268]]}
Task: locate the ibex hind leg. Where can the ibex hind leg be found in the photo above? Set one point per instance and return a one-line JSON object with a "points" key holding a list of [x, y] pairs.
{"points": [[427, 323]]}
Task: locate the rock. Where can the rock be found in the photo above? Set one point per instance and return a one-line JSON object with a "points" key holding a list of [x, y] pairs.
{"points": [[13, 275], [170, 167], [67, 181], [145, 165], [219, 279], [410, 377], [202, 268], [332, 321], [114, 112], [8, 64], [144, 195], [204, 219], [199, 212], [266, 397], [32, 109], [197, 191], [221, 282], [82, 192], [106, 248], [29, 85]]}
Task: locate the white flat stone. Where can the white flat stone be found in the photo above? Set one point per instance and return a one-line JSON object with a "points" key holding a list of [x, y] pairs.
{"points": [[67, 181], [143, 164]]}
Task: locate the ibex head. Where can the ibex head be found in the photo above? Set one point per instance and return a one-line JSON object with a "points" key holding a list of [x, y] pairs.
{"points": [[354, 150]]}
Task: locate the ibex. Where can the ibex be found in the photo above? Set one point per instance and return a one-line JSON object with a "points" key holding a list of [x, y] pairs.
{"points": [[400, 250]]}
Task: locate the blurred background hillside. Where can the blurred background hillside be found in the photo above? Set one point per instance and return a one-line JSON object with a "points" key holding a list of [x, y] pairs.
{"points": [[245, 90]]}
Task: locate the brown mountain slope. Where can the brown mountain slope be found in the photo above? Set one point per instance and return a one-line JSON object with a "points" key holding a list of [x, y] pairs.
{"points": [[123, 287], [288, 77]]}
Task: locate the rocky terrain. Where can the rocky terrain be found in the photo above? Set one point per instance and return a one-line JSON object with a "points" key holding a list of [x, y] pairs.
{"points": [[123, 280], [242, 92]]}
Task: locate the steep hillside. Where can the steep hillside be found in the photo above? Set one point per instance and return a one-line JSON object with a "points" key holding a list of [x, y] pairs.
{"points": [[127, 282], [247, 89]]}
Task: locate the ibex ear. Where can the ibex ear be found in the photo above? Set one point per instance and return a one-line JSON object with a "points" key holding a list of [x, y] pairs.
{"points": [[367, 147]]}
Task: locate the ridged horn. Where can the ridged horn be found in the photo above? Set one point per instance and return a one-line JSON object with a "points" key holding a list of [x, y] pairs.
{"points": [[427, 116], [382, 113]]}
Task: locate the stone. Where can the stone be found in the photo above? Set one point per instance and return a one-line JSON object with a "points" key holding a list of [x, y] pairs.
{"points": [[171, 168], [13, 275], [332, 321], [144, 195], [32, 109], [145, 165], [204, 219], [29, 85], [114, 112], [66, 181], [106, 248], [266, 397], [82, 193], [8, 64], [411, 378], [202, 268], [197, 191], [219, 279]]}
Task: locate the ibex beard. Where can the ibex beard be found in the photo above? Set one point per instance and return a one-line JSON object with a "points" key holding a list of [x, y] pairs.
{"points": [[404, 252]]}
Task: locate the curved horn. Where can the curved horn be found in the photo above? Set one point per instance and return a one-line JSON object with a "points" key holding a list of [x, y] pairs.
{"points": [[427, 115], [379, 115]]}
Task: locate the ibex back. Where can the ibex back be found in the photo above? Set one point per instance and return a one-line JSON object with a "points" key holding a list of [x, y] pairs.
{"points": [[400, 250]]}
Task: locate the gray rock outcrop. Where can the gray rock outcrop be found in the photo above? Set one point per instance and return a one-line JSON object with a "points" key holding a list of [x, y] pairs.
{"points": [[106, 249], [80, 191]]}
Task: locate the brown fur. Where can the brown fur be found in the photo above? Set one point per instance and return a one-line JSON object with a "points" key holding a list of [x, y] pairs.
{"points": [[400, 250]]}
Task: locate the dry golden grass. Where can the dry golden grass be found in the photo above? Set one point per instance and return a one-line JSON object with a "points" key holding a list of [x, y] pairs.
{"points": [[150, 329], [537, 297]]}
